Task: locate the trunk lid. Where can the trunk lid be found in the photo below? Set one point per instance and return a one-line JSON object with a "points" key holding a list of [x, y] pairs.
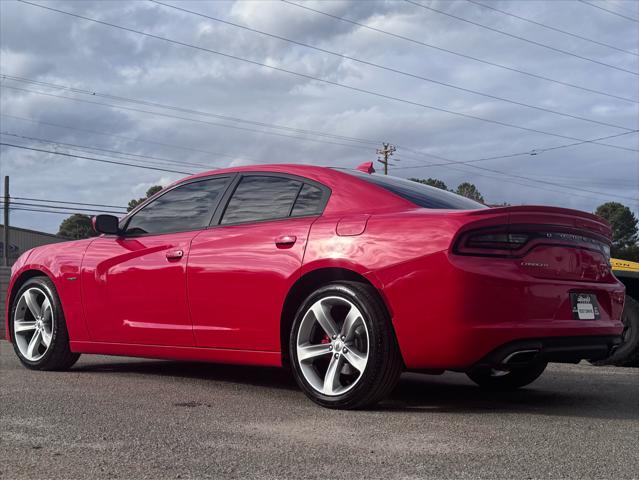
{"points": [[545, 242]]}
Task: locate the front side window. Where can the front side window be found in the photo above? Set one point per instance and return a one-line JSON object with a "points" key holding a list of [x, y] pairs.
{"points": [[186, 207], [261, 197]]}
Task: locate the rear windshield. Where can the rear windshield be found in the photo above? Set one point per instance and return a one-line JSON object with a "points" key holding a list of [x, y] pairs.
{"points": [[418, 193]]}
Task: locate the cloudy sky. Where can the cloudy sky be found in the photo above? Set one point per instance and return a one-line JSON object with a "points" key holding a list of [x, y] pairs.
{"points": [[368, 72]]}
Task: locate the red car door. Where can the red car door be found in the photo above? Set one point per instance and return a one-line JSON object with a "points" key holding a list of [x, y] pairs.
{"points": [[241, 269], [134, 284]]}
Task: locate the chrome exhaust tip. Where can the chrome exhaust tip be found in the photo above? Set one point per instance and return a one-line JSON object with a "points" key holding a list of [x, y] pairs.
{"points": [[520, 357]]}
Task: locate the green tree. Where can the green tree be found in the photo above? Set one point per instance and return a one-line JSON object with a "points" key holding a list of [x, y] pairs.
{"points": [[149, 193], [433, 182], [624, 228], [77, 226], [470, 191]]}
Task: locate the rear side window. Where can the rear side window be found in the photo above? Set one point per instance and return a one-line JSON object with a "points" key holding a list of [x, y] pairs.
{"points": [[418, 193], [309, 201], [187, 207], [259, 198]]}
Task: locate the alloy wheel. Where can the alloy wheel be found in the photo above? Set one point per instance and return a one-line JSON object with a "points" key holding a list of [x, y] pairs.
{"points": [[332, 345], [33, 324]]}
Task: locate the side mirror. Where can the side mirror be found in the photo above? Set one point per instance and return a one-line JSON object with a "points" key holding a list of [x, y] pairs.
{"points": [[106, 224]]}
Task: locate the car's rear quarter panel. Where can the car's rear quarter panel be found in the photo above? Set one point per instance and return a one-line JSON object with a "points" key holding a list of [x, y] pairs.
{"points": [[449, 311]]}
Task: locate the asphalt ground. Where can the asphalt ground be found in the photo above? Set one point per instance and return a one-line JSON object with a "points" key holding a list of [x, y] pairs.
{"points": [[113, 417]]}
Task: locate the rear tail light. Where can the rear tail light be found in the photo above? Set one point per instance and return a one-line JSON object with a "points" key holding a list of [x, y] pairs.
{"points": [[500, 241], [491, 242], [515, 241]]}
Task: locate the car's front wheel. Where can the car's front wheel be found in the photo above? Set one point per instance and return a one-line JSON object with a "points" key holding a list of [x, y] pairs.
{"points": [[38, 328], [343, 348], [492, 379]]}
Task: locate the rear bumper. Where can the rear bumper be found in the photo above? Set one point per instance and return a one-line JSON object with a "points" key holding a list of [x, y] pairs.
{"points": [[451, 312], [552, 349]]}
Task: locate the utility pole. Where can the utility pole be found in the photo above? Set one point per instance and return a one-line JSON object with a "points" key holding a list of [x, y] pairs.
{"points": [[386, 152], [5, 250]]}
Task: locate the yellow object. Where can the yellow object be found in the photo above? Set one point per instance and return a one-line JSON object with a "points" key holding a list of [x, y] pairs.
{"points": [[624, 265]]}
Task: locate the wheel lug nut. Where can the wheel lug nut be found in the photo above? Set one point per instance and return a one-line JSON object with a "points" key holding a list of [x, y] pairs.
{"points": [[334, 337], [345, 350], [337, 355], [330, 347], [343, 338]]}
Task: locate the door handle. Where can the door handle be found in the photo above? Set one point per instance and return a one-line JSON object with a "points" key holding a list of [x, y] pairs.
{"points": [[174, 254], [285, 240]]}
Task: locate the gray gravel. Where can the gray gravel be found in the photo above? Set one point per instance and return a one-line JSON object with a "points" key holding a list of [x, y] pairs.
{"points": [[114, 417]]}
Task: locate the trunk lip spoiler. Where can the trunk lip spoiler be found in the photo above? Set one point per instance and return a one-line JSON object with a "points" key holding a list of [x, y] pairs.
{"points": [[579, 219], [540, 209]]}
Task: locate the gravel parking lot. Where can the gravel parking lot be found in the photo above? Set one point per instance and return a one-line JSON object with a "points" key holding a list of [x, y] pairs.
{"points": [[116, 417]]}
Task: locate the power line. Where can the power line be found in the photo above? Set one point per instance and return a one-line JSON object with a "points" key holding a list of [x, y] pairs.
{"points": [[200, 121], [514, 182], [303, 75], [390, 69], [546, 182], [609, 11], [26, 209], [284, 135], [79, 209], [97, 149], [532, 152], [592, 181], [548, 149], [65, 201], [549, 27], [130, 139], [523, 39], [191, 111], [523, 177], [195, 120], [500, 178], [526, 153], [448, 162], [94, 159], [462, 55]]}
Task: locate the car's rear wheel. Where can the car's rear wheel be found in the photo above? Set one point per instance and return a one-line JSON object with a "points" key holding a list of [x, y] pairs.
{"points": [[343, 348], [493, 379], [38, 328], [627, 355]]}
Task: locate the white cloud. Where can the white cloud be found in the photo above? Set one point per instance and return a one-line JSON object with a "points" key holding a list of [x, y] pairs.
{"points": [[51, 47]]}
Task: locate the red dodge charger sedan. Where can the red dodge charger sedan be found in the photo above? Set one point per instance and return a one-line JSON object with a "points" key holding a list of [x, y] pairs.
{"points": [[346, 276]]}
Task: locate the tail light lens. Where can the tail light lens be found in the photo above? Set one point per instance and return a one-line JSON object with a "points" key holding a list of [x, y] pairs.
{"points": [[491, 242], [502, 242]]}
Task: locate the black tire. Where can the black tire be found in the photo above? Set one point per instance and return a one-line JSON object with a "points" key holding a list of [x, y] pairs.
{"points": [[627, 355], [384, 365], [58, 355], [516, 378]]}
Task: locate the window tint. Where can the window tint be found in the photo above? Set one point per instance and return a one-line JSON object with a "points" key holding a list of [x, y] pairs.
{"points": [[309, 201], [187, 207], [261, 198], [418, 193]]}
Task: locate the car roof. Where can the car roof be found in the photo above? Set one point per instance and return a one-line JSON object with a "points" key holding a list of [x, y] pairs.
{"points": [[304, 170], [348, 192]]}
